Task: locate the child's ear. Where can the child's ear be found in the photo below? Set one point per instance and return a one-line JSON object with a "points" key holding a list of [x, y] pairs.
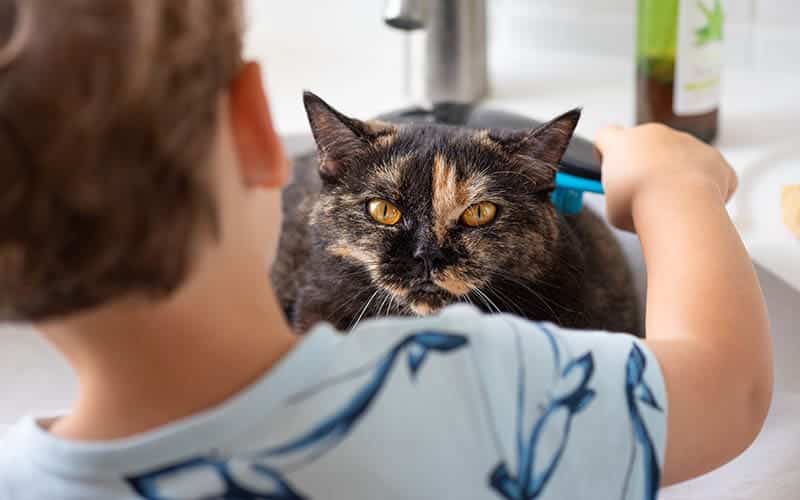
{"points": [[261, 155], [340, 139], [544, 145]]}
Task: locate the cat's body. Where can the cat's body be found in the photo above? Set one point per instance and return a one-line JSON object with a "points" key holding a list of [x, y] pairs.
{"points": [[425, 243]]}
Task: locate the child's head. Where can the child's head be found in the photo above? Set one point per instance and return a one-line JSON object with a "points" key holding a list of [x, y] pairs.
{"points": [[133, 139]]}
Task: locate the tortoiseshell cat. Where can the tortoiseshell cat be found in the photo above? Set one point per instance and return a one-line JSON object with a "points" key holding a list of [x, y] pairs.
{"points": [[405, 219]]}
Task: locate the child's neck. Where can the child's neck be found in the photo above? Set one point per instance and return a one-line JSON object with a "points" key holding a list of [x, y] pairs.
{"points": [[141, 367]]}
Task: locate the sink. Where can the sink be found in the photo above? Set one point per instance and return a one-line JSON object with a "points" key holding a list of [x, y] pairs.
{"points": [[769, 469], [756, 210]]}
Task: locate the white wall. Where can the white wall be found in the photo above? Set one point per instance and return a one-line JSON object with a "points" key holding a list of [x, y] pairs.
{"points": [[339, 49], [763, 34], [343, 51]]}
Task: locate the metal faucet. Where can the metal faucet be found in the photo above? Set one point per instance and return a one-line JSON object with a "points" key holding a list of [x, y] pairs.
{"points": [[446, 53]]}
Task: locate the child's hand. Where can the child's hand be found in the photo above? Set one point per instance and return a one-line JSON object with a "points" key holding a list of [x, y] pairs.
{"points": [[641, 159]]}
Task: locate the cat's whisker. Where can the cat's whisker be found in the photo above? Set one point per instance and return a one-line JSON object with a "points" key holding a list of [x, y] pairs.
{"points": [[497, 309], [539, 281], [334, 318], [364, 310], [469, 299], [387, 302], [492, 306], [546, 283], [513, 279], [342, 316], [522, 284], [380, 302], [506, 300], [357, 272], [466, 299], [387, 297], [380, 311], [392, 306], [547, 302], [486, 300], [481, 300]]}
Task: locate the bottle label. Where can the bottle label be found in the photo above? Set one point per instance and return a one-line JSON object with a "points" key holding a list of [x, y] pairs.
{"points": [[698, 65]]}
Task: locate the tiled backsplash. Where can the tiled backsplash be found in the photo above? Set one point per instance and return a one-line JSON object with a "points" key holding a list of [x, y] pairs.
{"points": [[761, 33]]}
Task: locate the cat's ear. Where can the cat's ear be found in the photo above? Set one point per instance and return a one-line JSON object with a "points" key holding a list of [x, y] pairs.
{"points": [[547, 144], [340, 139]]}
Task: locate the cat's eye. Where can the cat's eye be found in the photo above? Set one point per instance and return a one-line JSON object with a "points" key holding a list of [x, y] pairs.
{"points": [[384, 212], [479, 214]]}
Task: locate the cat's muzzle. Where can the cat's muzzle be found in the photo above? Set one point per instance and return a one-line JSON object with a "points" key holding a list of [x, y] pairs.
{"points": [[428, 298]]}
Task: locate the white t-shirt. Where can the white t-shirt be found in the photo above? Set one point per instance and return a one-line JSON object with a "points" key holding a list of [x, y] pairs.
{"points": [[461, 406]]}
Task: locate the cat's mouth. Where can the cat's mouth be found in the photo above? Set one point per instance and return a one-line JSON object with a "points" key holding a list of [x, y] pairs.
{"points": [[428, 298]]}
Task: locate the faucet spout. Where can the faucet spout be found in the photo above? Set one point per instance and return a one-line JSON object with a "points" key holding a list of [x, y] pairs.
{"points": [[446, 52], [407, 15]]}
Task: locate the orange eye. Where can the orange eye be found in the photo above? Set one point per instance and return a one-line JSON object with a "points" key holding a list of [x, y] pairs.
{"points": [[479, 214], [384, 212]]}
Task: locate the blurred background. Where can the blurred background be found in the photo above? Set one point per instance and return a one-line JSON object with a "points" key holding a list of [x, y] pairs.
{"points": [[548, 53]]}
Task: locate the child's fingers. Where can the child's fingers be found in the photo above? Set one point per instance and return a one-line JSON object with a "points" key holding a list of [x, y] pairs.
{"points": [[607, 137], [733, 184]]}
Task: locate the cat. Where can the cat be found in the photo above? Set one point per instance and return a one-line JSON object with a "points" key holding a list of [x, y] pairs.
{"points": [[390, 219]]}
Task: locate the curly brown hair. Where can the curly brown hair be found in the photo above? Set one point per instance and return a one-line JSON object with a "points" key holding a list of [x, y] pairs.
{"points": [[108, 109]]}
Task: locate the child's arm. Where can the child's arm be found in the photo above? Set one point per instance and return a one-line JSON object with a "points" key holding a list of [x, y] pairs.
{"points": [[706, 316]]}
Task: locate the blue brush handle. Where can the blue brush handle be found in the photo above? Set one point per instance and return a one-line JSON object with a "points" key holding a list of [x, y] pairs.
{"points": [[580, 171], [568, 195], [569, 181]]}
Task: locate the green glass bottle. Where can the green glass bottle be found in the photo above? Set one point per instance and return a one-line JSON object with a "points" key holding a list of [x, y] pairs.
{"points": [[679, 64]]}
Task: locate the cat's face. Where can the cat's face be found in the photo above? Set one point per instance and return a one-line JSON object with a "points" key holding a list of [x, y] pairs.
{"points": [[435, 215]]}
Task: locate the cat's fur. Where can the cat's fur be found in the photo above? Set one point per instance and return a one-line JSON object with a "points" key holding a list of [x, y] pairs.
{"points": [[336, 264]]}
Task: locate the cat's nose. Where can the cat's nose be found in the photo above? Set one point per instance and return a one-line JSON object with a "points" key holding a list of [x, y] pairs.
{"points": [[430, 256]]}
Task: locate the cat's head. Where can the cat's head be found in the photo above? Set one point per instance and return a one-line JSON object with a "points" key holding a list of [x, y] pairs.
{"points": [[434, 215]]}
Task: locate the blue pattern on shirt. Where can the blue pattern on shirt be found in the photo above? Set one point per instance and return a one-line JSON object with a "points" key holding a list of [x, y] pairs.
{"points": [[256, 477], [320, 439]]}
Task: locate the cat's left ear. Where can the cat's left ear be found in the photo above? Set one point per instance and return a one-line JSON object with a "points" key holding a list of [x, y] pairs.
{"points": [[547, 144], [340, 139]]}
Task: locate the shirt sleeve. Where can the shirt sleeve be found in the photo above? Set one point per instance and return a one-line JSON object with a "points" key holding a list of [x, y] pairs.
{"points": [[5, 466], [577, 414]]}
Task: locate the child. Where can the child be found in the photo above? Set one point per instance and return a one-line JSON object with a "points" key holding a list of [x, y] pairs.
{"points": [[139, 213]]}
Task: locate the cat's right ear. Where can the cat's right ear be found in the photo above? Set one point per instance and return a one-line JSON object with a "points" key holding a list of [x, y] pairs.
{"points": [[340, 139]]}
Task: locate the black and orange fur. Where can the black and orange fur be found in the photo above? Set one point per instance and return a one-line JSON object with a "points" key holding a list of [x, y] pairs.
{"points": [[336, 264]]}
